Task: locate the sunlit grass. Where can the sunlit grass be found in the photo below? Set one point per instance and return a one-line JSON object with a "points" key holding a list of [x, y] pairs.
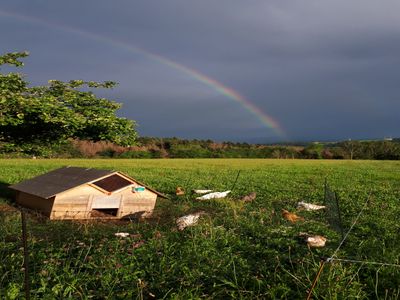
{"points": [[238, 250]]}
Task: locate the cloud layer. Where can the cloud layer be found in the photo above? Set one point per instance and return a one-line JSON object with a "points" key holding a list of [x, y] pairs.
{"points": [[323, 69]]}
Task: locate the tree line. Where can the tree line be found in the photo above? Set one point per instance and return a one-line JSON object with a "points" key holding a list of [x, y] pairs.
{"points": [[181, 148], [66, 119], [152, 147]]}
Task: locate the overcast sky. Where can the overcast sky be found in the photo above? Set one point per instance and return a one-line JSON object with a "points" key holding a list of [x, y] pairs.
{"points": [[323, 70]]}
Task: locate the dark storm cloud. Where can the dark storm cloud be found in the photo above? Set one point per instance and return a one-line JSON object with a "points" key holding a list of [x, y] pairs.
{"points": [[323, 69]]}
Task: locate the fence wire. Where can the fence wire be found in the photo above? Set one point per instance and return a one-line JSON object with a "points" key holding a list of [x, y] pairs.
{"points": [[57, 250], [60, 250], [333, 213]]}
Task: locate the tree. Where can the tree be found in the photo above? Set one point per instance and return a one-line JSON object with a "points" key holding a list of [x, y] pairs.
{"points": [[313, 151], [352, 148], [35, 117]]}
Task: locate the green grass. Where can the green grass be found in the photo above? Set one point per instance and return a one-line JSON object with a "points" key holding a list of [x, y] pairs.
{"points": [[237, 250]]}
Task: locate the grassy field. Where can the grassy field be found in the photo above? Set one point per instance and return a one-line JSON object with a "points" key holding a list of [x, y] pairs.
{"points": [[238, 250]]}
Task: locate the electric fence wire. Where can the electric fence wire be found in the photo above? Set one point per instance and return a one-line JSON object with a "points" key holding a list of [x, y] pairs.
{"points": [[332, 258], [351, 227], [362, 262]]}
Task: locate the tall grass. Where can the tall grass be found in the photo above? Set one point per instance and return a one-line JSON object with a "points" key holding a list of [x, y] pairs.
{"points": [[238, 250]]}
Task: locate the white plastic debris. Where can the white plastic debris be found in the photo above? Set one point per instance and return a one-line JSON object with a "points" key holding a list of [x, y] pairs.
{"points": [[202, 191], [121, 234], [215, 195], [309, 206], [188, 220]]}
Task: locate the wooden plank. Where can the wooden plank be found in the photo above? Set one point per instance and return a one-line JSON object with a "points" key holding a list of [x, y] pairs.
{"points": [[99, 188], [67, 215], [72, 201], [112, 201], [121, 205], [83, 191], [34, 202], [89, 204]]}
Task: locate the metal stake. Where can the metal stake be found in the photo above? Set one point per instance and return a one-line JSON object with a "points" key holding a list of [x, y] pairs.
{"points": [[26, 256], [237, 177]]}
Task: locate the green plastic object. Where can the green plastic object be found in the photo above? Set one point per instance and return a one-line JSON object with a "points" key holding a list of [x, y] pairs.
{"points": [[139, 189]]}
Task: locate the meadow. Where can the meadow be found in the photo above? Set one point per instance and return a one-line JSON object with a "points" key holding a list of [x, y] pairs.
{"points": [[237, 250]]}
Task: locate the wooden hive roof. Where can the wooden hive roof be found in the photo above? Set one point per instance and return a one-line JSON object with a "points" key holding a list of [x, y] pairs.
{"points": [[63, 179]]}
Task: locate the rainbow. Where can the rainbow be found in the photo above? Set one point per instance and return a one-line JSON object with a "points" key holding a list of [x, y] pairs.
{"points": [[222, 89]]}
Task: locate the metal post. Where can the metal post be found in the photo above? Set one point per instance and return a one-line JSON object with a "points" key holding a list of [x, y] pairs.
{"points": [[26, 256], [237, 177]]}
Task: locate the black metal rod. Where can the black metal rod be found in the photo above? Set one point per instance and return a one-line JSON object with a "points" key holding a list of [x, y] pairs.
{"points": [[26, 256], [234, 184]]}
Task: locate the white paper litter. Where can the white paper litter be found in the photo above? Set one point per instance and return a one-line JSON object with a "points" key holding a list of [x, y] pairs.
{"points": [[202, 191], [121, 234], [309, 206], [215, 195]]}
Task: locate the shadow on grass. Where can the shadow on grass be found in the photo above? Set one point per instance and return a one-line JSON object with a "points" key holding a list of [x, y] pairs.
{"points": [[6, 193]]}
